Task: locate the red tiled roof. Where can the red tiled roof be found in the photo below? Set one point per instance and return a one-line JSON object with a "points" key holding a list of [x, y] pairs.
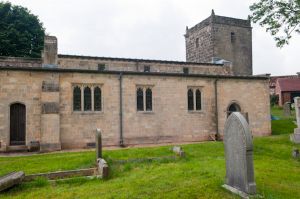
{"points": [[288, 84]]}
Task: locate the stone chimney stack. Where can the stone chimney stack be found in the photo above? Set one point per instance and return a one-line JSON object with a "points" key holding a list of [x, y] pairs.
{"points": [[49, 54]]}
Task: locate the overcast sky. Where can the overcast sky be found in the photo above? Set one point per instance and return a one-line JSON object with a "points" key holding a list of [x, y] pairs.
{"points": [[150, 29]]}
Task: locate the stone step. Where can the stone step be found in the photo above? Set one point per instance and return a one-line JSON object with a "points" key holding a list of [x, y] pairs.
{"points": [[17, 148]]}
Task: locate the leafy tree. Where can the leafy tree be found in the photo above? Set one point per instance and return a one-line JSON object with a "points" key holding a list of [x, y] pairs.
{"points": [[281, 18], [21, 33]]}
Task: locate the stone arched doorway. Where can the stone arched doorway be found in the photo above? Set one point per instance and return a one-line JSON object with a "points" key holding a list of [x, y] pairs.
{"points": [[233, 107], [17, 124]]}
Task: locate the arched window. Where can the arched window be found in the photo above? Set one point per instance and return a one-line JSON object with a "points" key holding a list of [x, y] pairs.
{"points": [[97, 99], [77, 99], [198, 99], [190, 96], [234, 107], [139, 99], [87, 99], [148, 99]]}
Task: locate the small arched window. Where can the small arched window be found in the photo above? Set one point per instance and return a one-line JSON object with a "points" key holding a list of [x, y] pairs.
{"points": [[148, 99], [139, 99], [234, 107], [77, 99], [97, 99], [190, 96], [87, 99], [198, 100]]}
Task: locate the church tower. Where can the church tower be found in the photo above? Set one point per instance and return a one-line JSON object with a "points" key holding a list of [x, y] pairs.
{"points": [[221, 38]]}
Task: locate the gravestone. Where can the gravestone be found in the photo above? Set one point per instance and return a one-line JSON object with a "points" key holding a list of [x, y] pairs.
{"points": [[295, 137], [287, 109], [238, 153], [11, 180], [98, 144]]}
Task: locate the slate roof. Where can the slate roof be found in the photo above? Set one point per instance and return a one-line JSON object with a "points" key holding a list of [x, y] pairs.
{"points": [[289, 84]]}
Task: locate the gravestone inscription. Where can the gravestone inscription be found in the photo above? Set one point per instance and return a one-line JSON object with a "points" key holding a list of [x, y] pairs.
{"points": [[238, 153]]}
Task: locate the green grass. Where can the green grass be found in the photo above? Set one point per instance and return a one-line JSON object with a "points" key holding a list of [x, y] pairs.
{"points": [[284, 125], [199, 175]]}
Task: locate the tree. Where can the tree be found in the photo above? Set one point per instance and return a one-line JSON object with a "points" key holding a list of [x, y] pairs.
{"points": [[21, 33], [281, 18]]}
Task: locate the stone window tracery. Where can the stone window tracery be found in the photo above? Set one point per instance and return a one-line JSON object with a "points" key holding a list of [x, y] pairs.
{"points": [[144, 98], [87, 98], [194, 96]]}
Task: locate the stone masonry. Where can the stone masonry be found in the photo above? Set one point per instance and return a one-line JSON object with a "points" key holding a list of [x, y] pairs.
{"points": [[221, 37], [45, 86]]}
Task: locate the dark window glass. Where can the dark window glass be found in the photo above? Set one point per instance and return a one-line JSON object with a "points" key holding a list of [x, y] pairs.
{"points": [[101, 67], [198, 99], [146, 68], [186, 70], [97, 99], [87, 99], [197, 42], [77, 99], [190, 95], [139, 99], [148, 99], [232, 37]]}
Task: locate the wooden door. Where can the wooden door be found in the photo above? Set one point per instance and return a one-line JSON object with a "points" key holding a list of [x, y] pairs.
{"points": [[17, 124]]}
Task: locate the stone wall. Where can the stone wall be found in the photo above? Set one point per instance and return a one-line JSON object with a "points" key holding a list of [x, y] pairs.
{"points": [[202, 52], [221, 37], [236, 48], [119, 64], [170, 121], [20, 62]]}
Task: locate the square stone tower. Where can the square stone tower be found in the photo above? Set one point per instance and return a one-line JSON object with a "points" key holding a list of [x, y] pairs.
{"points": [[221, 38]]}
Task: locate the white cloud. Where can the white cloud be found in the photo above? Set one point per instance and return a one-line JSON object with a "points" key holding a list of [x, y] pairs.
{"points": [[149, 29]]}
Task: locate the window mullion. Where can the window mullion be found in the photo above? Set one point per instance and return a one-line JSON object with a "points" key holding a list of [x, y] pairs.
{"points": [[82, 97]]}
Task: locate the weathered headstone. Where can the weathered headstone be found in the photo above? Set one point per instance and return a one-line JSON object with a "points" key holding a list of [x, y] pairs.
{"points": [[11, 180], [178, 151], [103, 169], [295, 153], [287, 109], [98, 144], [238, 153], [296, 136]]}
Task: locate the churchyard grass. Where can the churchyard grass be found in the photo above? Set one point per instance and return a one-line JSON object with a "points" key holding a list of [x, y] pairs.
{"points": [[199, 175], [284, 125]]}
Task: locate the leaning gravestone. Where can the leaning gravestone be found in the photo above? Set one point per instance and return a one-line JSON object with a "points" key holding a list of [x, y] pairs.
{"points": [[296, 136], [238, 153], [98, 144], [287, 109]]}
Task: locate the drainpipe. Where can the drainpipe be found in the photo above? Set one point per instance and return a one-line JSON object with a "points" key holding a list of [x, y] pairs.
{"points": [[217, 136], [121, 143]]}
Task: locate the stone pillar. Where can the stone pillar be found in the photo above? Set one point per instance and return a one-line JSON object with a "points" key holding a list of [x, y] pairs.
{"points": [[296, 136], [98, 144], [49, 54], [50, 118]]}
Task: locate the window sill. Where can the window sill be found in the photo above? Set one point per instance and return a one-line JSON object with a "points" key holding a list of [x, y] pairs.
{"points": [[88, 112], [145, 112], [196, 111]]}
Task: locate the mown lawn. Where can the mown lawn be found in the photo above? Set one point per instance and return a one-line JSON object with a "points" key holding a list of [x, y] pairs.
{"points": [[199, 175]]}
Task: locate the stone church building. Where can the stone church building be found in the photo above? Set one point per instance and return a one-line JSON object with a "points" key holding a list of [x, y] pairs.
{"points": [[58, 101]]}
